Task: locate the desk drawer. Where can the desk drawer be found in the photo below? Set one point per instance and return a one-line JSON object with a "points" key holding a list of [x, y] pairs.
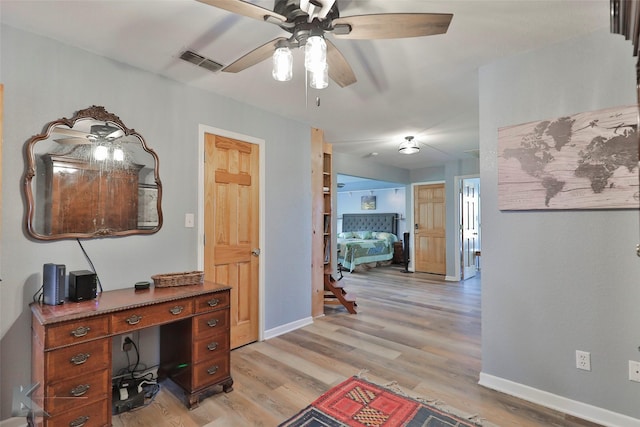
{"points": [[211, 323], [77, 360], [212, 301], [77, 331], [204, 349], [77, 392], [94, 415], [143, 317], [211, 371]]}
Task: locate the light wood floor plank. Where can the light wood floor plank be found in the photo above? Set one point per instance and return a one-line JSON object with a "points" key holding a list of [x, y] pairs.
{"points": [[414, 331]]}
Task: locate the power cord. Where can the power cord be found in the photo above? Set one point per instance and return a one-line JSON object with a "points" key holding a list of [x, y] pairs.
{"points": [[127, 378], [91, 264]]}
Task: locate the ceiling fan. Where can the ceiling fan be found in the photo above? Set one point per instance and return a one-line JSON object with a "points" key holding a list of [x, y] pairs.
{"points": [[306, 19], [98, 132]]}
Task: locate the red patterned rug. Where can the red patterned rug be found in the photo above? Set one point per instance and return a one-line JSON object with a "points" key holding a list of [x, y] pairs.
{"points": [[359, 403]]}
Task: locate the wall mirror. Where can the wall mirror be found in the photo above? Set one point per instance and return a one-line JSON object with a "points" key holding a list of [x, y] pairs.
{"points": [[91, 176]]}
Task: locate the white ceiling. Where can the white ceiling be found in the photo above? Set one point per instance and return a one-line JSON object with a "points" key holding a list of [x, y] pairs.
{"points": [[426, 87]]}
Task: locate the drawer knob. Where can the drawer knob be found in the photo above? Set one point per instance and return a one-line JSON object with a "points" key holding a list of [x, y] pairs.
{"points": [[80, 331], [79, 390], [79, 359], [176, 310], [212, 322], [212, 370], [134, 319], [212, 346], [213, 302], [79, 422]]}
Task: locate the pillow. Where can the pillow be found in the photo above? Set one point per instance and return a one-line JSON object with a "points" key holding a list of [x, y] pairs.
{"points": [[387, 236], [365, 235], [346, 235]]}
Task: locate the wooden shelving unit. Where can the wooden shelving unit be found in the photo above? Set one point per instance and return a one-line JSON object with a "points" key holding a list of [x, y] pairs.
{"points": [[321, 223], [327, 206], [325, 289]]}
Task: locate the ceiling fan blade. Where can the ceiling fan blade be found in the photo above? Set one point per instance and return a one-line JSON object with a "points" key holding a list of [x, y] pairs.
{"points": [[339, 69], [254, 57], [73, 141], [392, 25], [246, 9], [69, 132]]}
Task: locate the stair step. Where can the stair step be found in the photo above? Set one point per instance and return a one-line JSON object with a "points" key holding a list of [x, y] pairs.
{"points": [[350, 297]]}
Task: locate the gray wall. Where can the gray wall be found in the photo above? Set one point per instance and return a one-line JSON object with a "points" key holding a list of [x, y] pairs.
{"points": [[558, 281], [45, 80]]}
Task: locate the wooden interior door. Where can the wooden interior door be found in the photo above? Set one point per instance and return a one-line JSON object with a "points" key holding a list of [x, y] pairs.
{"points": [[429, 229], [470, 225], [231, 222]]}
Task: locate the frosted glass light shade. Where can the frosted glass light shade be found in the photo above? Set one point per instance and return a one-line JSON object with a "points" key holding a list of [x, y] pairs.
{"points": [[282, 64], [315, 53], [319, 78], [100, 153], [409, 146]]}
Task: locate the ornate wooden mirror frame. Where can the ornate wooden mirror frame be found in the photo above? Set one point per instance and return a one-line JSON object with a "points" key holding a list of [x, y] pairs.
{"points": [[90, 176]]}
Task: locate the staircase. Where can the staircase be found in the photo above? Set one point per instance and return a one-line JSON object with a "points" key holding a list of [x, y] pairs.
{"points": [[334, 293]]}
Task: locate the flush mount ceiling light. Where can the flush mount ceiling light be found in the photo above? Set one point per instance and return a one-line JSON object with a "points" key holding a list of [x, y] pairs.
{"points": [[408, 146]]}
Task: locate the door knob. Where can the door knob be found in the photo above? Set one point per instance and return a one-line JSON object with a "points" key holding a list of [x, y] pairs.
{"points": [[255, 252]]}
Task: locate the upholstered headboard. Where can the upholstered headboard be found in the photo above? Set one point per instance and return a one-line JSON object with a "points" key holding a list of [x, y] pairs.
{"points": [[370, 222]]}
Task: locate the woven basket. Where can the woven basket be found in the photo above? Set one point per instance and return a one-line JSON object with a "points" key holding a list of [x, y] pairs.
{"points": [[178, 279]]}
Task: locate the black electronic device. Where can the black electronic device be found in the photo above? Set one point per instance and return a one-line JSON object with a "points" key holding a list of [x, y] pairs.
{"points": [[140, 286], [83, 285], [126, 398], [53, 276]]}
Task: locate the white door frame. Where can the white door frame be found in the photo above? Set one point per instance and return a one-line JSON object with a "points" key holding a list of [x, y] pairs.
{"points": [[202, 130], [456, 184]]}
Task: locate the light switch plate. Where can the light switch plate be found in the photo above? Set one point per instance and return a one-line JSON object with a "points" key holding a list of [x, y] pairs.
{"points": [[189, 220]]}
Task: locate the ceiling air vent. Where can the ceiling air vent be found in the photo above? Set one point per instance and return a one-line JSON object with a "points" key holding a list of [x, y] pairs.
{"points": [[200, 61]]}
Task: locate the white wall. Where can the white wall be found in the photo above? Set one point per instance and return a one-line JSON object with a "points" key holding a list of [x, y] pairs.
{"points": [[45, 80], [388, 200], [554, 282]]}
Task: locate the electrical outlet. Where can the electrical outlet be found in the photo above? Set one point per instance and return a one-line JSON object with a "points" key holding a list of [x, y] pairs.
{"points": [[123, 341], [583, 360], [634, 371]]}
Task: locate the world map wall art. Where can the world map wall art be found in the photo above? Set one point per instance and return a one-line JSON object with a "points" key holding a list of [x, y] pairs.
{"points": [[585, 161]]}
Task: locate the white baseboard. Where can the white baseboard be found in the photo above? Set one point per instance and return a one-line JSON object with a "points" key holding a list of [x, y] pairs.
{"points": [[283, 329], [451, 279], [558, 403]]}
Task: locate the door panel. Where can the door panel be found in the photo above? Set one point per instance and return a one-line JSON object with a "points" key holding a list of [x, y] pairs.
{"points": [[231, 229], [429, 229]]}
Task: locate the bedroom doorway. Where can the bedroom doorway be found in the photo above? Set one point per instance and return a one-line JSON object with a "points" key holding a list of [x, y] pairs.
{"points": [[231, 223]]}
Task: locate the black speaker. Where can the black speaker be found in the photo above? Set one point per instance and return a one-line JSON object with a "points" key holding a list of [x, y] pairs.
{"points": [[83, 285], [53, 276], [406, 253]]}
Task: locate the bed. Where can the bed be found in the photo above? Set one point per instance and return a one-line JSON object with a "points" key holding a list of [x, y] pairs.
{"points": [[366, 239]]}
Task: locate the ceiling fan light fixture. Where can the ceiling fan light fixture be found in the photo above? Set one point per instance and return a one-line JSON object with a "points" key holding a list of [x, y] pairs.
{"points": [[315, 53], [408, 146], [282, 64]]}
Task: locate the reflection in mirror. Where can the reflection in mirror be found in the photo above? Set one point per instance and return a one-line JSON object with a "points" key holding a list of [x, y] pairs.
{"points": [[91, 176]]}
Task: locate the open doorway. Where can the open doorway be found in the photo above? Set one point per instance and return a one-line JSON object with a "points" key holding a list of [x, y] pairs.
{"points": [[469, 240], [376, 207]]}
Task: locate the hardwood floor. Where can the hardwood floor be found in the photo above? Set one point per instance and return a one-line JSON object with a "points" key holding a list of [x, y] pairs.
{"points": [[412, 329]]}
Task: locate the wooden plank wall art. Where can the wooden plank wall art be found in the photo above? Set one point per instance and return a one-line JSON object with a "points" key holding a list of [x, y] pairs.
{"points": [[585, 161]]}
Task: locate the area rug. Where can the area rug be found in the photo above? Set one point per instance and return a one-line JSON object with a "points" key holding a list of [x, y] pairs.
{"points": [[360, 403]]}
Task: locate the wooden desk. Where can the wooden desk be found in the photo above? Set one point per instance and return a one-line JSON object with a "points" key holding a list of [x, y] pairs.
{"points": [[72, 342]]}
